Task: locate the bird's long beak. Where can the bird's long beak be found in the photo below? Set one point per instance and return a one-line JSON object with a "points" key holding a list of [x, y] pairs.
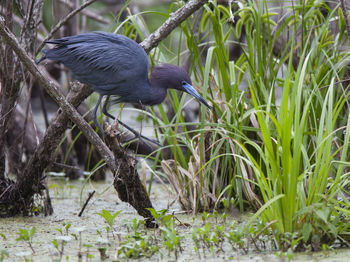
{"points": [[190, 90]]}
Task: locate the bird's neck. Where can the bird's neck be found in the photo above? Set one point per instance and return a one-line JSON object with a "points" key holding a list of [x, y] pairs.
{"points": [[157, 94], [149, 94]]}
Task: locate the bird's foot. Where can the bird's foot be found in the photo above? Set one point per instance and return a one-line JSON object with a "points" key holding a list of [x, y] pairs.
{"points": [[137, 135]]}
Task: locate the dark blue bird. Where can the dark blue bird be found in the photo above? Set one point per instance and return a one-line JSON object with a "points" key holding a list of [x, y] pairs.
{"points": [[114, 65]]}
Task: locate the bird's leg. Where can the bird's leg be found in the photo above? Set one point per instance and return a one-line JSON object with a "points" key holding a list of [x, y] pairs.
{"points": [[137, 134], [105, 108], [94, 114]]}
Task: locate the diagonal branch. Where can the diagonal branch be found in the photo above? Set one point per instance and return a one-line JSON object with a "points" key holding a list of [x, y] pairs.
{"points": [[56, 95], [169, 25]]}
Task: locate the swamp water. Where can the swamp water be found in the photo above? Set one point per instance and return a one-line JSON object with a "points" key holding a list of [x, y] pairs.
{"points": [[88, 233]]}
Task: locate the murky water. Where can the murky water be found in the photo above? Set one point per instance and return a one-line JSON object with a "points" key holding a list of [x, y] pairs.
{"points": [[87, 232]]}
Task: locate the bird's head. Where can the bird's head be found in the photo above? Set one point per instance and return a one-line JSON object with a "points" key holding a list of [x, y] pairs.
{"points": [[171, 76]]}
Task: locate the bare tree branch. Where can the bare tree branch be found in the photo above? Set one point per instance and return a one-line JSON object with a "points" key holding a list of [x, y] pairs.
{"points": [[63, 21], [169, 25], [56, 94], [88, 13]]}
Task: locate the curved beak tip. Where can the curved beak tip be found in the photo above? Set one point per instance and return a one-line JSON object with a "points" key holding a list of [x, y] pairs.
{"points": [[204, 102], [190, 90]]}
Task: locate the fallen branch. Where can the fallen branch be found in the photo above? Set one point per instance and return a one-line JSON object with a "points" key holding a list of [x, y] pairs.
{"points": [[91, 194]]}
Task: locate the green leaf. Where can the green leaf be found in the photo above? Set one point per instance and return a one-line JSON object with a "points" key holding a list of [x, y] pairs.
{"points": [[109, 218], [306, 231], [323, 214]]}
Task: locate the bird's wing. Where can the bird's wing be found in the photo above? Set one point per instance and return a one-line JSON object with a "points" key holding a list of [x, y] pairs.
{"points": [[99, 59]]}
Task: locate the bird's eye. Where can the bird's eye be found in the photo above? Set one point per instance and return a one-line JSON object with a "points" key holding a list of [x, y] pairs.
{"points": [[183, 83]]}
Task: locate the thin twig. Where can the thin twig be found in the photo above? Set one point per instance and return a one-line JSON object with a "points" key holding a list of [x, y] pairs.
{"points": [[61, 165], [88, 13], [62, 22], [86, 202], [19, 21], [345, 13]]}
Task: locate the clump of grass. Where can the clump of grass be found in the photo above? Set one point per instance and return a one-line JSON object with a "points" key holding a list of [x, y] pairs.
{"points": [[298, 167], [286, 157]]}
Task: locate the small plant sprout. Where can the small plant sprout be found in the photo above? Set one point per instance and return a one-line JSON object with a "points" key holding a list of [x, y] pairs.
{"points": [[76, 231], [161, 216], [201, 238], [3, 254], [171, 240], [109, 219], [218, 237], [196, 241], [27, 236], [88, 255], [236, 236], [137, 246], [59, 243], [136, 223], [66, 227], [102, 246], [205, 216], [207, 238], [64, 230]]}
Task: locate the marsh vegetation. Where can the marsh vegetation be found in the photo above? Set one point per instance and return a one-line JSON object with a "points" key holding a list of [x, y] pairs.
{"points": [[265, 171]]}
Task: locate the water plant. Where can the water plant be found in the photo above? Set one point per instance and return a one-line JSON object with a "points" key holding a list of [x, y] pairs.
{"points": [[137, 247], [236, 237], [209, 236], [162, 217], [137, 243], [26, 236], [102, 246], [65, 229], [171, 239], [109, 219], [59, 243], [3, 254]]}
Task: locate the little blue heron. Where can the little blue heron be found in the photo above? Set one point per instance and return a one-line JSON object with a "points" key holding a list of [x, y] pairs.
{"points": [[115, 65]]}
